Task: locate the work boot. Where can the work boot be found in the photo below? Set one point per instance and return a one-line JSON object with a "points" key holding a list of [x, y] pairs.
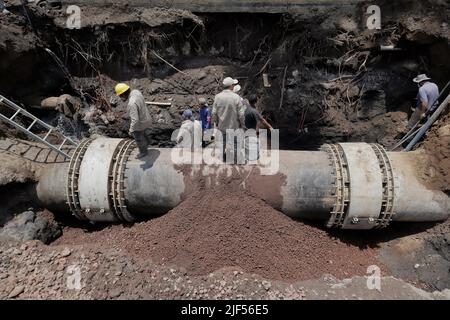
{"points": [[141, 155]]}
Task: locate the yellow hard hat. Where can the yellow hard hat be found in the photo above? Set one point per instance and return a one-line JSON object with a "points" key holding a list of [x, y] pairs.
{"points": [[121, 88]]}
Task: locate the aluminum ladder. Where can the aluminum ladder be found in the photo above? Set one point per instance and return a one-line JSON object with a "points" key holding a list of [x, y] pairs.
{"points": [[66, 141], [423, 130], [416, 129]]}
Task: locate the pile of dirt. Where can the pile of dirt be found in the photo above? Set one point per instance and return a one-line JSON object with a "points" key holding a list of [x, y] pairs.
{"points": [[436, 145], [122, 14], [34, 271], [225, 227]]}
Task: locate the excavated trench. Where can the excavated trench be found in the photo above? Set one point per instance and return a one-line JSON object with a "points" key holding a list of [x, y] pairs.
{"points": [[368, 102], [329, 82]]}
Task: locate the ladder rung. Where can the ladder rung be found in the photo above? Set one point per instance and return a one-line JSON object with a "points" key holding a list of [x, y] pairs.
{"points": [[32, 124], [48, 133], [62, 144], [19, 110], [15, 114]]}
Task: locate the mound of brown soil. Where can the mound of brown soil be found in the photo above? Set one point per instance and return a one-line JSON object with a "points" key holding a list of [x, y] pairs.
{"points": [[436, 145], [225, 227]]}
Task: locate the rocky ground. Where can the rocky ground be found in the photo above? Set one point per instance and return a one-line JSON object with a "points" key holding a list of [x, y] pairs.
{"points": [[337, 87], [326, 72], [179, 256], [33, 271]]}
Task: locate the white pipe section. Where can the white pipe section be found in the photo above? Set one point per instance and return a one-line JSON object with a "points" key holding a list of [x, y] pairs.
{"points": [[349, 185]]}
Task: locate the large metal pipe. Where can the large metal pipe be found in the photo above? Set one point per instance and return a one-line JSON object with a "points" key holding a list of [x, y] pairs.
{"points": [[349, 185]]}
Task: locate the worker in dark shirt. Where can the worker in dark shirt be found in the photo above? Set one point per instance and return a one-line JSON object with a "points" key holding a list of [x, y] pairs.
{"points": [[252, 116], [205, 119], [205, 114]]}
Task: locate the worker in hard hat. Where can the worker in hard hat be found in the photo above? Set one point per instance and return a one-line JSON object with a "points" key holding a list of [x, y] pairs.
{"points": [[205, 119], [140, 117], [228, 114], [426, 99], [190, 133]]}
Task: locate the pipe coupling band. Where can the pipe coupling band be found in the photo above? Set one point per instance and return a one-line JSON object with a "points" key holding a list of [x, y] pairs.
{"points": [[95, 181], [364, 186]]}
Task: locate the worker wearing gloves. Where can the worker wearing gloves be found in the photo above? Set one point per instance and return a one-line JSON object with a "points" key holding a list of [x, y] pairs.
{"points": [[427, 99], [140, 117], [190, 134], [228, 114]]}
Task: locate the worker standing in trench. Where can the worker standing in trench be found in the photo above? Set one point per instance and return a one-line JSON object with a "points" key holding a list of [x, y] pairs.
{"points": [[253, 120], [189, 136], [253, 117], [205, 119], [140, 117], [427, 99], [228, 115]]}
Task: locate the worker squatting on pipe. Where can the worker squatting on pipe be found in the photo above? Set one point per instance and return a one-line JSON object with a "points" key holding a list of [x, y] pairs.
{"points": [[347, 185]]}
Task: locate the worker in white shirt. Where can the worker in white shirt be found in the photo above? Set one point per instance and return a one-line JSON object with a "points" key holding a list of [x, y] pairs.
{"points": [[190, 134]]}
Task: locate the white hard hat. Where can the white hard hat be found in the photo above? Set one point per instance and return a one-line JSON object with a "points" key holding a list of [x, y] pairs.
{"points": [[420, 78], [237, 89], [228, 82], [202, 100]]}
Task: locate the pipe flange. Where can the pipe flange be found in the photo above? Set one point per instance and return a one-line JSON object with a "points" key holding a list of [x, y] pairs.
{"points": [[342, 185], [117, 178], [388, 201], [72, 192]]}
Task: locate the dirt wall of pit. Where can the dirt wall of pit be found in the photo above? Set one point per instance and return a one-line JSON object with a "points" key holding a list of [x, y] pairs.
{"points": [[266, 6]]}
